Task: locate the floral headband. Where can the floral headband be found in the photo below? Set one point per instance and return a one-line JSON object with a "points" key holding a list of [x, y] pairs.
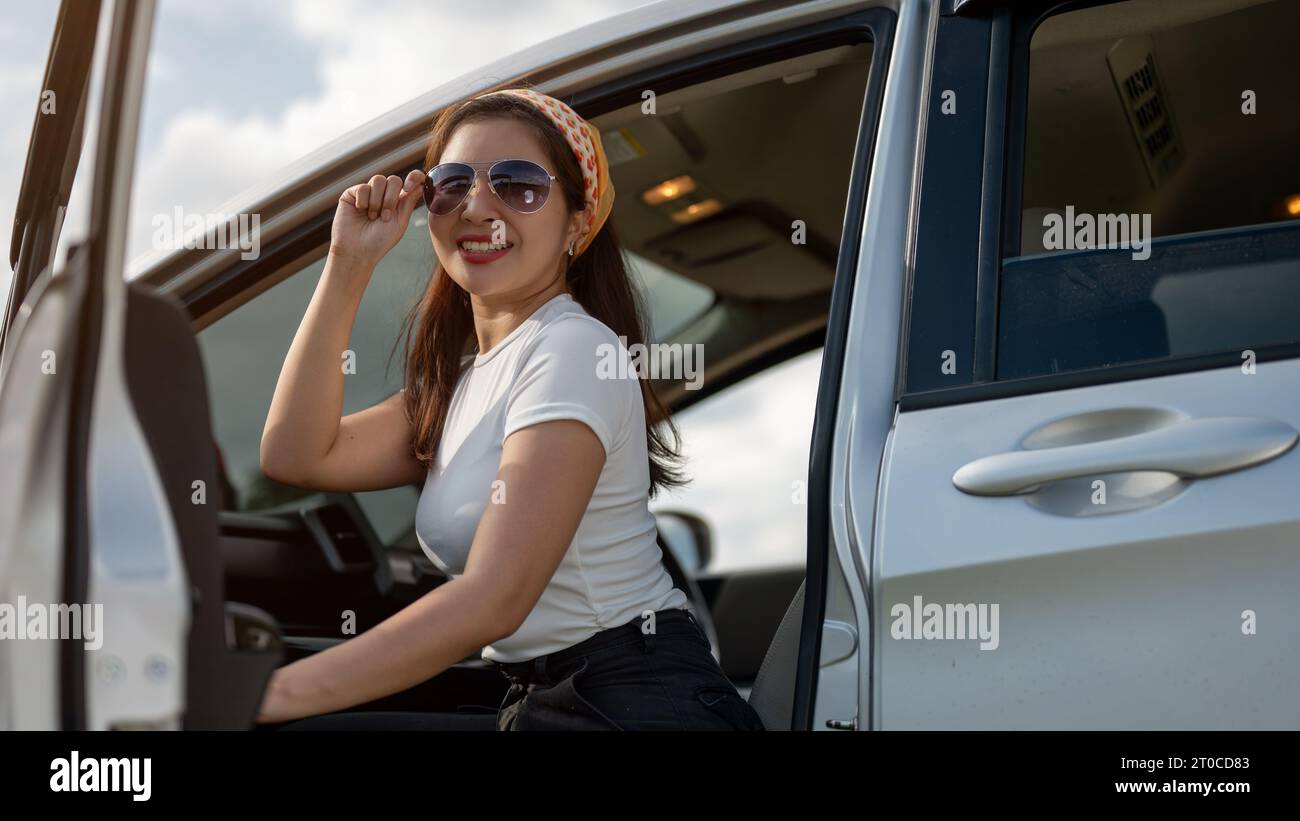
{"points": [[584, 139]]}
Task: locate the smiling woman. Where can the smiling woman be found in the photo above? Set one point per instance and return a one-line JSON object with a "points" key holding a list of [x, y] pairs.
{"points": [[537, 471]]}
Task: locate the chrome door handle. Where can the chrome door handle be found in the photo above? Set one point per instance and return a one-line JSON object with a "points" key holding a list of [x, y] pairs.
{"points": [[1191, 448]]}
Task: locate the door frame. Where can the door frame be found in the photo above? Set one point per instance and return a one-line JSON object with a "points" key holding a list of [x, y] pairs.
{"points": [[114, 36], [856, 400], [102, 318]]}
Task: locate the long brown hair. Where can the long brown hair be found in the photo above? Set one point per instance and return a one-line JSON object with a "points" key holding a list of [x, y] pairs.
{"points": [[598, 279]]}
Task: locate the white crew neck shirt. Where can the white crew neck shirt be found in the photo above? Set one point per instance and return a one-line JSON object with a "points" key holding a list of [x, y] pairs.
{"points": [[556, 365]]}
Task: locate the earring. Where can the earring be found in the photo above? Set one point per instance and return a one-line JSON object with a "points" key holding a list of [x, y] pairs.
{"points": [[570, 249]]}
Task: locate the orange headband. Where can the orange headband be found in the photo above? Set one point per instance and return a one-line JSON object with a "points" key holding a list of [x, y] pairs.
{"points": [[584, 139]]}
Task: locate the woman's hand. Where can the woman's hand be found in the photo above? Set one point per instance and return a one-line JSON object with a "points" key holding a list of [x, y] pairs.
{"points": [[371, 217]]}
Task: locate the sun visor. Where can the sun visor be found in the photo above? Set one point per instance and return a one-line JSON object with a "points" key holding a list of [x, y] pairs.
{"points": [[742, 252]]}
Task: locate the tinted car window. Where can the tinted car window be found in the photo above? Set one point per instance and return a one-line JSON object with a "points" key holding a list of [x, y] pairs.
{"points": [[1160, 209]]}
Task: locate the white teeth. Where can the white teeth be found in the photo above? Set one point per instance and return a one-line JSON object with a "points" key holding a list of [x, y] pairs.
{"points": [[484, 246]]}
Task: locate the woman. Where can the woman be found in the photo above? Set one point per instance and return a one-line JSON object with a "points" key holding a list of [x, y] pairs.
{"points": [[537, 470]]}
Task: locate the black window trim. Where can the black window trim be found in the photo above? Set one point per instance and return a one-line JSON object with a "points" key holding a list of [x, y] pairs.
{"points": [[1006, 111], [950, 184]]}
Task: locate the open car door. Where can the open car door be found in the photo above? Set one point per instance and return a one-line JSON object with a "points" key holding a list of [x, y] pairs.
{"points": [[52, 324], [106, 521]]}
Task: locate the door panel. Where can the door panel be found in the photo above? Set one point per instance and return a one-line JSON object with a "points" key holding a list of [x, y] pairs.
{"points": [[126, 555], [33, 457], [1086, 513], [51, 328], [1131, 609], [230, 649], [106, 525]]}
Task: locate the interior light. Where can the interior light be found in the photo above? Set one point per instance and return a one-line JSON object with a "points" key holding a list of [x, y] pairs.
{"points": [[1293, 205], [669, 190], [697, 210]]}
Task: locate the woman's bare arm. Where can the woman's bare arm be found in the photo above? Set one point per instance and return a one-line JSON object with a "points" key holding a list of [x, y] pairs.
{"points": [[306, 441]]}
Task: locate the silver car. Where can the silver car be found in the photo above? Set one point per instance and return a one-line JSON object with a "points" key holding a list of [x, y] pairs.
{"points": [[1050, 253]]}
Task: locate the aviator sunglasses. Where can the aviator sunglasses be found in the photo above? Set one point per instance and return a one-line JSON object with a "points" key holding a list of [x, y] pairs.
{"points": [[523, 185]]}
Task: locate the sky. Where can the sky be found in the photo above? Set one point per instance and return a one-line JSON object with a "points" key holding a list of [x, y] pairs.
{"points": [[238, 90], [25, 31]]}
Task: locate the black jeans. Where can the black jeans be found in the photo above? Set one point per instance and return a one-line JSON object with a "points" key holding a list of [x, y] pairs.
{"points": [[662, 677], [644, 675]]}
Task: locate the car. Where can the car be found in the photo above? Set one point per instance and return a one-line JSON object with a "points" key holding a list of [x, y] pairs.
{"points": [[1049, 253]]}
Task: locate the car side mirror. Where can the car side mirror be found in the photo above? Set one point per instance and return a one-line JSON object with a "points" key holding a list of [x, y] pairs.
{"points": [[688, 536]]}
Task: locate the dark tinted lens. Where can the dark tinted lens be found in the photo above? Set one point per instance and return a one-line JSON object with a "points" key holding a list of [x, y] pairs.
{"points": [[446, 186], [521, 184]]}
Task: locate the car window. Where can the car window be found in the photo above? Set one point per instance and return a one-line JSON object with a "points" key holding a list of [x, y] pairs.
{"points": [[745, 451], [1160, 209], [244, 351], [24, 64], [671, 301], [713, 188]]}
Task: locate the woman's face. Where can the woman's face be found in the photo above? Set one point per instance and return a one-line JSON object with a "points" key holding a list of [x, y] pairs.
{"points": [[536, 241]]}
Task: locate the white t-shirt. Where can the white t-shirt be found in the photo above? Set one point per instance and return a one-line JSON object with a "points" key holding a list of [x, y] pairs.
{"points": [[555, 365]]}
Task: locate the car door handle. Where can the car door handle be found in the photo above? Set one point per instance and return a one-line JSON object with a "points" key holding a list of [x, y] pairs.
{"points": [[1191, 448]]}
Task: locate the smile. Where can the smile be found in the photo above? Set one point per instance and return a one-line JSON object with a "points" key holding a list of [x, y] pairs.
{"points": [[478, 253], [483, 246]]}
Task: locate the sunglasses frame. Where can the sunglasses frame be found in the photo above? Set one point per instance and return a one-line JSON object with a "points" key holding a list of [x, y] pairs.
{"points": [[490, 164]]}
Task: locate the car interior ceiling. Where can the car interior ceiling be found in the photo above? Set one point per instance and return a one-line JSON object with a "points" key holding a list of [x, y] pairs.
{"points": [[743, 140], [1206, 54]]}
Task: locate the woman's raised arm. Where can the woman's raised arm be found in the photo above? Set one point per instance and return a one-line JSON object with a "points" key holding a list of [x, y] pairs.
{"points": [[306, 441]]}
